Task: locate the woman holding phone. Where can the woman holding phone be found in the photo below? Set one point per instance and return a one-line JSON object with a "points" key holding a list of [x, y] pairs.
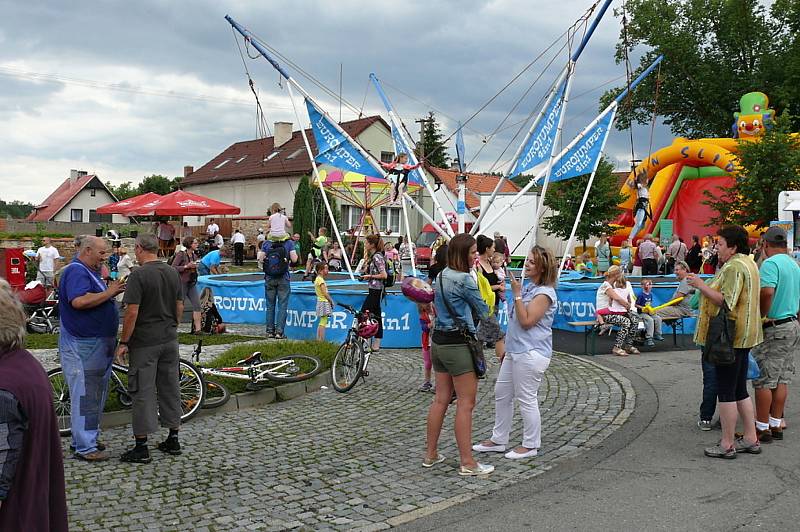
{"points": [[529, 347]]}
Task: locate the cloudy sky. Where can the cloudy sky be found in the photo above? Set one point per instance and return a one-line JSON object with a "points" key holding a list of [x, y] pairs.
{"points": [[128, 89]]}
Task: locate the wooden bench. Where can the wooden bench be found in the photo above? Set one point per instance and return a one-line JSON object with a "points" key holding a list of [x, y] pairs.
{"points": [[590, 332]]}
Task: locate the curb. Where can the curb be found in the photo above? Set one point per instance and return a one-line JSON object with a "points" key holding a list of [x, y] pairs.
{"points": [[240, 401]]}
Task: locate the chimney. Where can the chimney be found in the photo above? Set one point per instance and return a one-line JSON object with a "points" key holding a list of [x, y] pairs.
{"points": [[188, 170], [283, 133], [73, 176]]}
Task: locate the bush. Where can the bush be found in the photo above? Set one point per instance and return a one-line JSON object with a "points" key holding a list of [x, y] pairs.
{"points": [[325, 351]]}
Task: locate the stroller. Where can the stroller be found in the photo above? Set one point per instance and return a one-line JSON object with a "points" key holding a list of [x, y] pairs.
{"points": [[41, 307]]}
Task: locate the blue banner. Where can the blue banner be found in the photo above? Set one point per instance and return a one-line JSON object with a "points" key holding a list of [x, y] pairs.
{"points": [[581, 159], [336, 148], [539, 145], [460, 151]]}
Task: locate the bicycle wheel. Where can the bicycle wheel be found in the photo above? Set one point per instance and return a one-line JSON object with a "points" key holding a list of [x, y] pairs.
{"points": [[300, 368], [348, 364], [61, 401], [216, 395], [193, 390]]}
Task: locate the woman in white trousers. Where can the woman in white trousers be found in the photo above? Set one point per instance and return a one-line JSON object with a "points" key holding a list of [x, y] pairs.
{"points": [[529, 347]]}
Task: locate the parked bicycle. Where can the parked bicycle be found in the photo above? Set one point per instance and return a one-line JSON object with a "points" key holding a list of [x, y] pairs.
{"points": [[255, 370], [192, 389], [352, 358]]}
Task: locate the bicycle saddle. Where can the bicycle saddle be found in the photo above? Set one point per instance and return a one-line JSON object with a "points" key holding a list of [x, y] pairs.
{"points": [[253, 359]]}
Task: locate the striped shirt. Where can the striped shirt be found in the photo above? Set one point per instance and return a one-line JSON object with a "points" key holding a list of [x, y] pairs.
{"points": [[738, 281]]}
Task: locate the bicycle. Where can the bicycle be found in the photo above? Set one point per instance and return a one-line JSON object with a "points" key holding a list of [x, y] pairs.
{"points": [[352, 358], [255, 370], [192, 390]]}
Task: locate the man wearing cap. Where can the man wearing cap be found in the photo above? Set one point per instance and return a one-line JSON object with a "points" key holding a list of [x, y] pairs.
{"points": [[780, 308]]}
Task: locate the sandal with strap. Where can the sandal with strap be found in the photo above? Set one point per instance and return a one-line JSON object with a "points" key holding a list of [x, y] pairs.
{"points": [[619, 352]]}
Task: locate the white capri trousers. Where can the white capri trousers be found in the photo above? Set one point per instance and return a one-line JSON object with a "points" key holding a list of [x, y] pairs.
{"points": [[519, 378]]}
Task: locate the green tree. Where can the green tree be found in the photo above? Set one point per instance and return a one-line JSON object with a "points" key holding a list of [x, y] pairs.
{"points": [[564, 198], [432, 147], [321, 218], [767, 167], [303, 215], [714, 52], [15, 209], [158, 184], [124, 190]]}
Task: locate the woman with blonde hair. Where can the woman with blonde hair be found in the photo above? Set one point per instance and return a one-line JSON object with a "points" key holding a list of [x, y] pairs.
{"points": [[622, 302], [529, 348]]}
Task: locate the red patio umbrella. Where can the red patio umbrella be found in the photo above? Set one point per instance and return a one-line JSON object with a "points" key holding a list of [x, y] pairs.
{"points": [[121, 207], [182, 203]]}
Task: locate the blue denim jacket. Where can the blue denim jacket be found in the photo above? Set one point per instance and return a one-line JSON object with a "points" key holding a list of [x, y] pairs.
{"points": [[464, 297]]}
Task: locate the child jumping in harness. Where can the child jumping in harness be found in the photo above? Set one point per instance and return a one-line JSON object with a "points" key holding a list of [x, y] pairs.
{"points": [[397, 171], [641, 210]]}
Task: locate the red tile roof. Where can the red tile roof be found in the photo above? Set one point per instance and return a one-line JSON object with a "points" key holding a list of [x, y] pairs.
{"points": [[61, 197], [247, 159], [476, 184]]}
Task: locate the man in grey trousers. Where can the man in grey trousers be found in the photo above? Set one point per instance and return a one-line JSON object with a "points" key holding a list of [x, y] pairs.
{"points": [[154, 300]]}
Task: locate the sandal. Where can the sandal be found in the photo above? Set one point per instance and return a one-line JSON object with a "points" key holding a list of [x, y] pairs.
{"points": [[632, 350], [619, 352]]}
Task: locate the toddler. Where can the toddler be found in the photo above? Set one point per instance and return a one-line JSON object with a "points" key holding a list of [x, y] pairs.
{"points": [[425, 323], [498, 262], [279, 224], [324, 300]]}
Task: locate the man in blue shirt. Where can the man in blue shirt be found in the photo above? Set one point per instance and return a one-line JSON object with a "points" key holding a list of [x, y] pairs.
{"points": [[210, 262], [89, 323], [780, 308], [276, 283]]}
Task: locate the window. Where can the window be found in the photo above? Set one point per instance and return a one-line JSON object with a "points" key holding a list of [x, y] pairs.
{"points": [[387, 156], [296, 153], [240, 159], [351, 216], [390, 219], [101, 218], [271, 155], [223, 163], [93, 191], [76, 215]]}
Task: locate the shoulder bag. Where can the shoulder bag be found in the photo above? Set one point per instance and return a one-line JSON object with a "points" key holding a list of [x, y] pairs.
{"points": [[473, 344], [718, 348]]}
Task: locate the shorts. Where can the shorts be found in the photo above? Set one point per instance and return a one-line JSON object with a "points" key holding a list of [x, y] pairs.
{"points": [[190, 294], [775, 356], [489, 331], [454, 359], [323, 311]]}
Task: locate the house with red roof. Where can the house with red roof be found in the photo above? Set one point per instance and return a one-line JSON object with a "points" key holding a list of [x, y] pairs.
{"points": [[76, 200]]}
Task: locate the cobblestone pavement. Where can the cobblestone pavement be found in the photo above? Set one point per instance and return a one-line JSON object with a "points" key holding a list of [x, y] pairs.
{"points": [[330, 461]]}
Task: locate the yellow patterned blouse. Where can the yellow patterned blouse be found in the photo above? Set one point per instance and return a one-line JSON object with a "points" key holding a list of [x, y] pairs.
{"points": [[739, 283]]}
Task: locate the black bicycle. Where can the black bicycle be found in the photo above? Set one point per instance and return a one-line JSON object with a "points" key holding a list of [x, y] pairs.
{"points": [[192, 389], [352, 358]]}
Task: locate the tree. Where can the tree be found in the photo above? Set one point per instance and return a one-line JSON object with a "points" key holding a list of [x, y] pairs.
{"points": [[124, 190], [15, 209], [303, 215], [768, 166], [432, 147], [159, 184], [321, 218], [564, 199], [714, 52]]}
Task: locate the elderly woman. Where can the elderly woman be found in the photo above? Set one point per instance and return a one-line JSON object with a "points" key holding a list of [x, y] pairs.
{"points": [[616, 305], [529, 347], [32, 493], [456, 299], [736, 287]]}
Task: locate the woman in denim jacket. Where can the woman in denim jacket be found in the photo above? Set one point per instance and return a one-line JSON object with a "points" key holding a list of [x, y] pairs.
{"points": [[450, 355]]}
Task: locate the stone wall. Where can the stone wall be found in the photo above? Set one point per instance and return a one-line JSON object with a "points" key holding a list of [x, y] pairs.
{"points": [[66, 228], [249, 226], [65, 246]]}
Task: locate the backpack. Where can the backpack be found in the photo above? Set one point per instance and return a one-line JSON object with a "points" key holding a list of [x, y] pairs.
{"points": [[390, 273], [276, 262], [172, 258]]}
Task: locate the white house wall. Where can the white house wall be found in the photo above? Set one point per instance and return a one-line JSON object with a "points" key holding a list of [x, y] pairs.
{"points": [[83, 200], [252, 196]]}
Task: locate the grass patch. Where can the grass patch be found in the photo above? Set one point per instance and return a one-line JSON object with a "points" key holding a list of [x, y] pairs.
{"points": [[50, 341], [325, 351], [32, 234]]}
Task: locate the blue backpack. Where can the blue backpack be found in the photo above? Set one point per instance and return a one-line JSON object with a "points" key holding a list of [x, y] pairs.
{"points": [[276, 263]]}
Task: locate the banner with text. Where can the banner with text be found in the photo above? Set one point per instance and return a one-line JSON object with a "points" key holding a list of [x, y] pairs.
{"points": [[583, 156]]}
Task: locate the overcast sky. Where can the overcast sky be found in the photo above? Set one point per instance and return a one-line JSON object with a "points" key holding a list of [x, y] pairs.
{"points": [[129, 89]]}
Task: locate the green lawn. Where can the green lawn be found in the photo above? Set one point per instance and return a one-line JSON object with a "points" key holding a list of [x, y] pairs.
{"points": [[50, 341], [325, 351]]}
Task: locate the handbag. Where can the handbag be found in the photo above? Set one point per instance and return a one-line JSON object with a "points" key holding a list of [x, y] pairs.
{"points": [[718, 348], [753, 371], [473, 344]]}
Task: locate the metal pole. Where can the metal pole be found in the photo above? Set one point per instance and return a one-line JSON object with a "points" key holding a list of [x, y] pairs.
{"points": [[461, 181], [396, 125], [319, 181], [426, 216], [583, 202], [408, 236]]}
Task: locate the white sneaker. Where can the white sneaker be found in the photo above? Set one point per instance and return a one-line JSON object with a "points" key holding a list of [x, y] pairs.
{"points": [[514, 455], [481, 448], [479, 469]]}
